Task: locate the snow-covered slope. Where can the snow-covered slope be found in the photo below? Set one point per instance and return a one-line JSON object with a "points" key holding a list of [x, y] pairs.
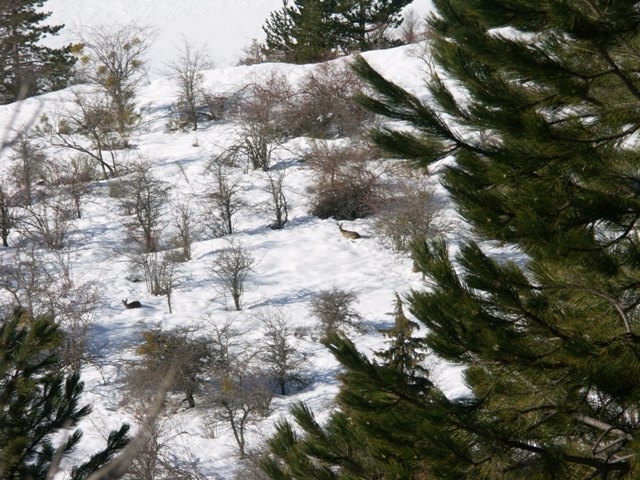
{"points": [[225, 27], [292, 265]]}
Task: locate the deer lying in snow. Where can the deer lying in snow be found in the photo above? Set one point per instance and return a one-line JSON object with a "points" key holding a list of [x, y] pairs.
{"points": [[348, 233], [134, 304]]}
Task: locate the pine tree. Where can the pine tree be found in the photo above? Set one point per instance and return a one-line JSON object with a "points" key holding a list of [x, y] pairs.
{"points": [[302, 32], [377, 429], [314, 30], [28, 67], [534, 106], [406, 352], [38, 399], [363, 24]]}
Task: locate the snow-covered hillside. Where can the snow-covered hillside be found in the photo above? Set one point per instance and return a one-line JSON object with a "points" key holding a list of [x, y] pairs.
{"points": [[292, 264], [225, 27]]}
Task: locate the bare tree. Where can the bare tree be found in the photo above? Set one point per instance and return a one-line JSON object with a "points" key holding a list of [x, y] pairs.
{"points": [[114, 60], [188, 355], [75, 309], [334, 309], [73, 177], [226, 341], [278, 206], [185, 223], [42, 285], [414, 28], [157, 459], [278, 351], [87, 127], [261, 114], [186, 74], [240, 394], [231, 267], [144, 197], [223, 202], [159, 271]]}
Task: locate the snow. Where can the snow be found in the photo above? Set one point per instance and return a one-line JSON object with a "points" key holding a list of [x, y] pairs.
{"points": [[224, 27], [293, 264]]}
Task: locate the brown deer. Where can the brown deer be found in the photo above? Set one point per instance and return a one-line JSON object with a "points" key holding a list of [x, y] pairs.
{"points": [[348, 233], [134, 304]]}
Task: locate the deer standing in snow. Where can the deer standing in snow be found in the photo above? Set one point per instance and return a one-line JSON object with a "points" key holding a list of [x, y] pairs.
{"points": [[348, 233]]}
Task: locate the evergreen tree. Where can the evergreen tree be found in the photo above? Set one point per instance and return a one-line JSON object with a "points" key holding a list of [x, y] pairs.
{"points": [[377, 429], [535, 106], [38, 399], [362, 24], [302, 32], [406, 352], [314, 30], [27, 67]]}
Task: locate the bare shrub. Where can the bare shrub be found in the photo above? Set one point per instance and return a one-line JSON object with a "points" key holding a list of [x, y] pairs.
{"points": [[334, 309], [278, 351], [240, 394], [144, 197], [184, 222], [186, 74], [277, 206], [188, 356], [231, 267], [219, 106], [156, 458], [324, 106], [159, 272], [345, 184], [261, 114], [73, 177], [46, 223], [223, 201], [409, 212]]}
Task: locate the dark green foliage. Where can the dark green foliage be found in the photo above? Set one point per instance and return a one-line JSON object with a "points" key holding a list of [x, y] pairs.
{"points": [[549, 340], [535, 106], [350, 444], [117, 441], [375, 434], [315, 30], [406, 352], [363, 25], [38, 399], [27, 67], [301, 33]]}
